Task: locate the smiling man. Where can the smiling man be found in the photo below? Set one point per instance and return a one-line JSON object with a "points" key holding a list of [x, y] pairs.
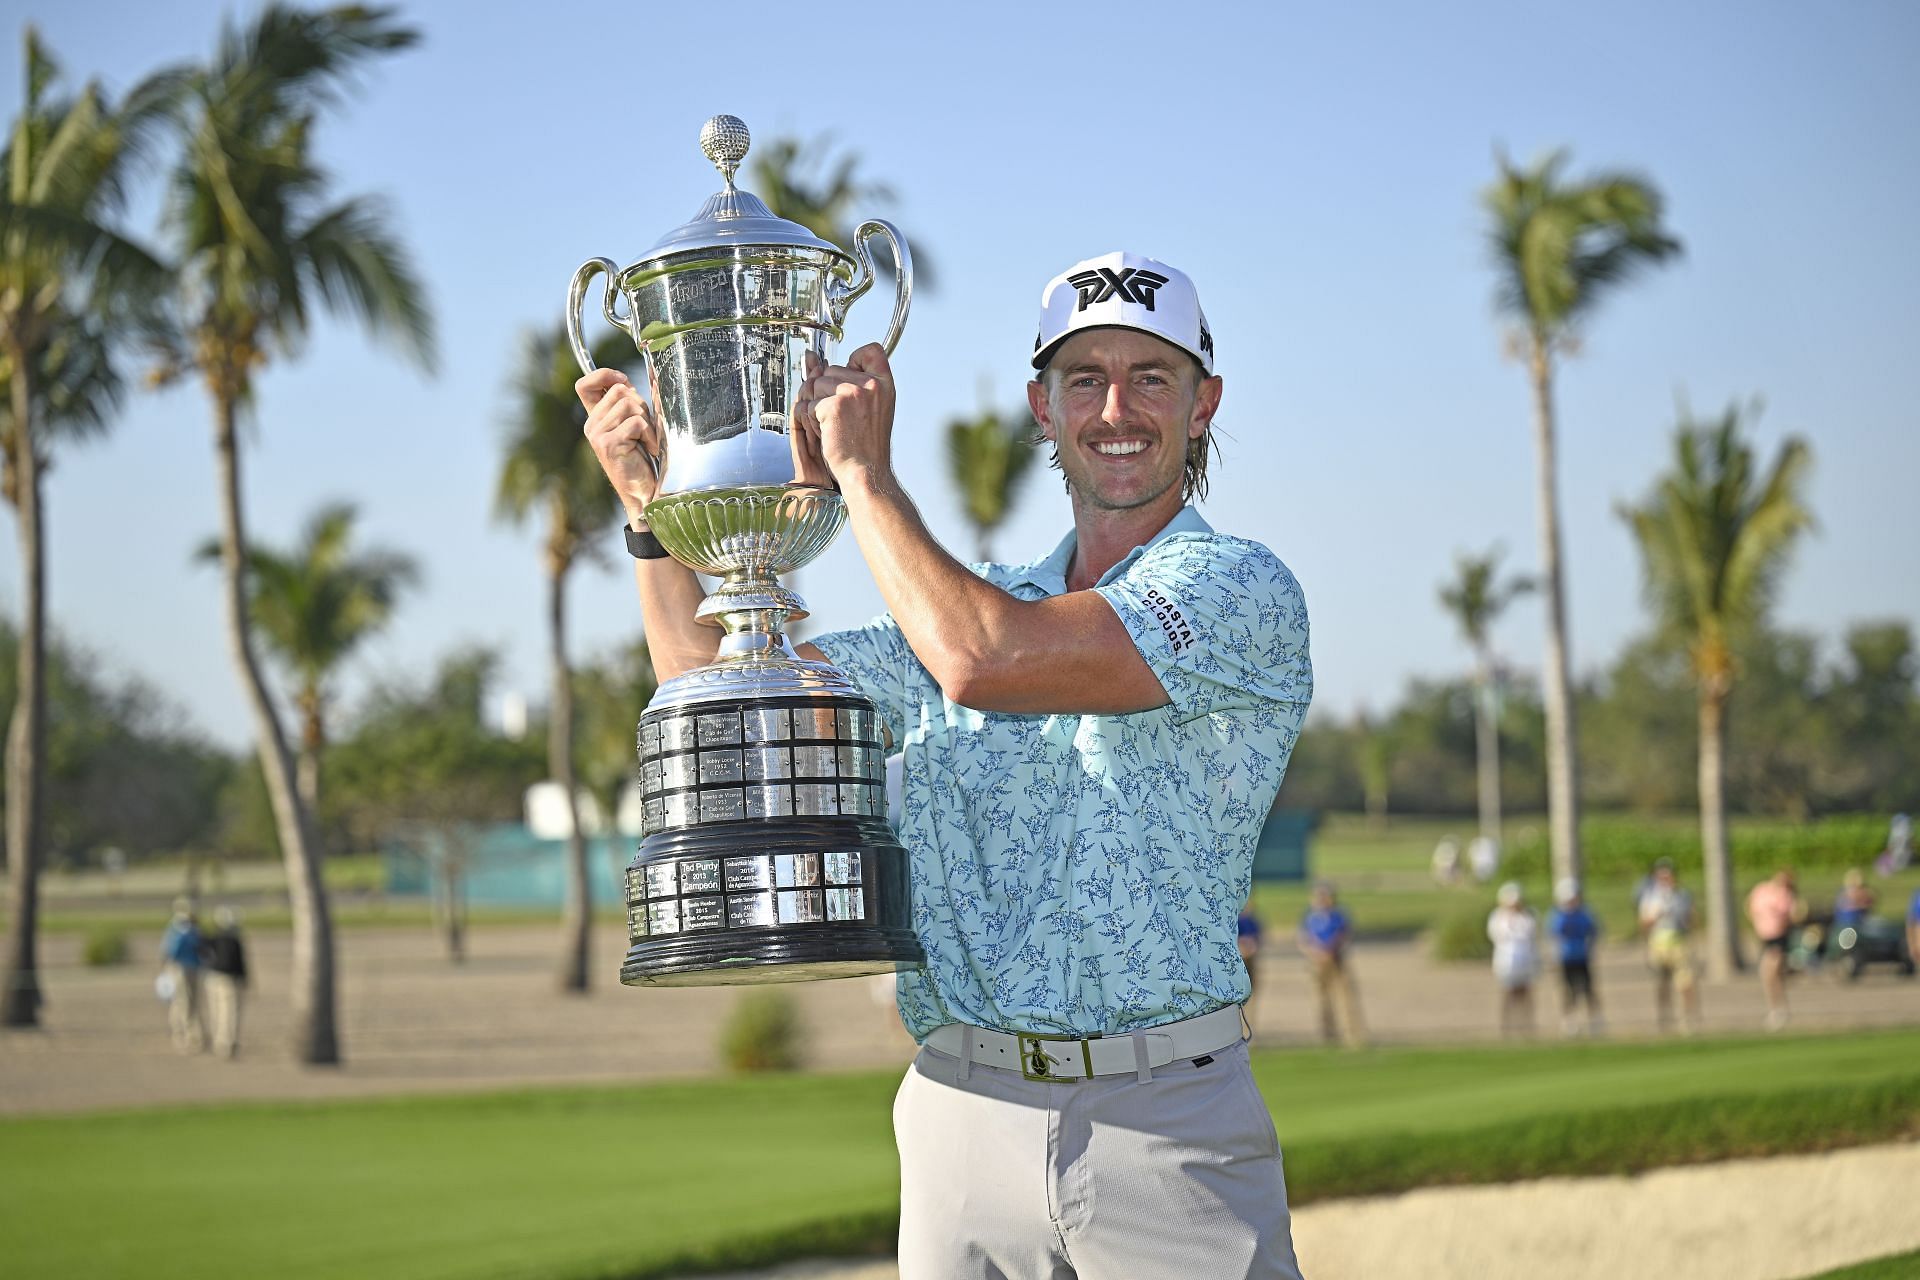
{"points": [[1091, 742]]}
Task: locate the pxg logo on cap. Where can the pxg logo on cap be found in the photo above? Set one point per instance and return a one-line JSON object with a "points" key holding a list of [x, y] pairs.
{"points": [[1123, 291], [1133, 284]]}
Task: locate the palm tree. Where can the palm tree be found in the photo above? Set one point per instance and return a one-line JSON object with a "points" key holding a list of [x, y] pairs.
{"points": [[1559, 247], [259, 248], [313, 607], [1373, 750], [1714, 536], [987, 457], [550, 469], [69, 286], [1475, 598]]}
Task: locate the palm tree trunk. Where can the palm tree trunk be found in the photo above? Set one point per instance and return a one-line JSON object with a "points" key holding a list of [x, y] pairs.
{"points": [[1486, 736], [313, 741], [1563, 763], [452, 901], [577, 916], [315, 1020], [1723, 942], [27, 734]]}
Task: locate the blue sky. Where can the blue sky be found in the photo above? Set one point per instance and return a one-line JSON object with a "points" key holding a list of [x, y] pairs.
{"points": [[1314, 168]]}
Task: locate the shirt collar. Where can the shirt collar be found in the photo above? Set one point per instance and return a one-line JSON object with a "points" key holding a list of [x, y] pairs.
{"points": [[1050, 574]]}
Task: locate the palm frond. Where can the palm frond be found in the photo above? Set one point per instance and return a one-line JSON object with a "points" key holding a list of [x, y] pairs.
{"points": [[547, 458], [360, 268], [1558, 247], [1477, 595], [1714, 538], [316, 603]]}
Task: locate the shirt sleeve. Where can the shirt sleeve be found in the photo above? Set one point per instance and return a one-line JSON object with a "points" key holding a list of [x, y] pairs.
{"points": [[876, 658], [1220, 621]]}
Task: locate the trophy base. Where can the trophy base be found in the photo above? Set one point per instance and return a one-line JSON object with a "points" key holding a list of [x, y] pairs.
{"points": [[789, 900], [729, 963]]}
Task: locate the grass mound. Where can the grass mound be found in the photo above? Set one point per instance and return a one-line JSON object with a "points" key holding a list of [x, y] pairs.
{"points": [[1900, 1266]]}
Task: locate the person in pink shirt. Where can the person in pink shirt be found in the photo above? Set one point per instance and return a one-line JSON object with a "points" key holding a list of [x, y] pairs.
{"points": [[1773, 907]]}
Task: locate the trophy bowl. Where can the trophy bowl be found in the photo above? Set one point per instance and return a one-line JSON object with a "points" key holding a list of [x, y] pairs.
{"points": [[766, 855]]}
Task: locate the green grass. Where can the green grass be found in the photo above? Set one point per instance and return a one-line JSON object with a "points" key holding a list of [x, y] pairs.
{"points": [[1900, 1266], [648, 1181]]}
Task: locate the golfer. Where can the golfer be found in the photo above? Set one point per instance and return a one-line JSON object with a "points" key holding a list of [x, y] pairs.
{"points": [[1091, 742]]}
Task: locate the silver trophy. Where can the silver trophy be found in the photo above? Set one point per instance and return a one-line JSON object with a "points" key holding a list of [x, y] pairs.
{"points": [[765, 854]]}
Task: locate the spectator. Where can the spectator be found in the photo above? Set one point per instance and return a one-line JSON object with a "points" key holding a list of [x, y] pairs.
{"points": [[1324, 934], [1665, 912], [226, 982], [1899, 850], [1247, 932], [1854, 903], [1575, 929], [1516, 957], [1913, 926], [1773, 907], [1483, 855], [180, 979], [1446, 861]]}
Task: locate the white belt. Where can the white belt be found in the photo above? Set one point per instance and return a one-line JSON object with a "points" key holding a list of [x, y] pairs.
{"points": [[1049, 1057]]}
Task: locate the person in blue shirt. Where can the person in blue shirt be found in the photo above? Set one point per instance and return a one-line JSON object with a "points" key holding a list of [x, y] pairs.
{"points": [[1913, 926], [1247, 936], [1324, 934], [180, 971], [1854, 903], [1090, 742], [1575, 929]]}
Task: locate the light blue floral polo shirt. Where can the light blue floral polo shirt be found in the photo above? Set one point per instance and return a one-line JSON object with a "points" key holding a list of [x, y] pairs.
{"points": [[1083, 874]]}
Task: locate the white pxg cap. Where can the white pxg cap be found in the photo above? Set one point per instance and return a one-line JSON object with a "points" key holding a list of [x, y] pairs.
{"points": [[1123, 291]]}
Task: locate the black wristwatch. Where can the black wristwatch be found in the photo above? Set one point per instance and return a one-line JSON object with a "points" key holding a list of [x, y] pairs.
{"points": [[642, 545]]}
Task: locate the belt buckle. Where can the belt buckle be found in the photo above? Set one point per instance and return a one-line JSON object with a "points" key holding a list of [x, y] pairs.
{"points": [[1037, 1064]]}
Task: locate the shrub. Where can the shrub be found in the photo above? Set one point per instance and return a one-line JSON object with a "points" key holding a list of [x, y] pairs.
{"points": [[1462, 935], [762, 1033], [1625, 847], [105, 946]]}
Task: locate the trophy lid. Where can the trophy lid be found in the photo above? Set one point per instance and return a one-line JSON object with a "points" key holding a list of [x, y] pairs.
{"points": [[731, 217]]}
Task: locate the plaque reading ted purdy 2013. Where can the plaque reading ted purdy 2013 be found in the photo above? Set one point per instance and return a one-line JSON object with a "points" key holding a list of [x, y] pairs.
{"points": [[765, 855]]}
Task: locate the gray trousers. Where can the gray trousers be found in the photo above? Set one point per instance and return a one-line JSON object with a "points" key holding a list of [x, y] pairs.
{"points": [[1176, 1178]]}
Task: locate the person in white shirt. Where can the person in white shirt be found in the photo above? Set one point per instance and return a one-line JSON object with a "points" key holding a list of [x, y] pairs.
{"points": [[1516, 958]]}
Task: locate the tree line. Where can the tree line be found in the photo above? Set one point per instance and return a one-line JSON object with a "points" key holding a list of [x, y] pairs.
{"points": [[1815, 727]]}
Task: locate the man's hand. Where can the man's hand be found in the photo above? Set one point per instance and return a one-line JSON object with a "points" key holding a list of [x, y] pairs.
{"points": [[625, 437], [850, 408]]}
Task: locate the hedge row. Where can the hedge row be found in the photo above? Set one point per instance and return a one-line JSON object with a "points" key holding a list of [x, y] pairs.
{"points": [[1628, 846]]}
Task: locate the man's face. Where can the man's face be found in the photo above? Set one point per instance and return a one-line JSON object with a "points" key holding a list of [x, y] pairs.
{"points": [[1120, 407]]}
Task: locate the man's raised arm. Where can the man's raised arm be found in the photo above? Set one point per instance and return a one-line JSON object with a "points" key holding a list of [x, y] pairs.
{"points": [[1065, 655], [626, 437]]}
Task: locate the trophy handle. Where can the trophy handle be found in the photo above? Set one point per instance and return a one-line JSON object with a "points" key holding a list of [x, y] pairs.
{"points": [[576, 294], [903, 268]]}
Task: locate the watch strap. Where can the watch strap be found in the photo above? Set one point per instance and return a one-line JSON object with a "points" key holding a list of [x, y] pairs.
{"points": [[642, 545]]}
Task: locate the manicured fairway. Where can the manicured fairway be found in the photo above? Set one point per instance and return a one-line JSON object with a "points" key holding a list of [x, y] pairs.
{"points": [[598, 1182], [1327, 1094]]}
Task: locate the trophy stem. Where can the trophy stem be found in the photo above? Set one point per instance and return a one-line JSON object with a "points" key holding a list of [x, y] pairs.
{"points": [[753, 609]]}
